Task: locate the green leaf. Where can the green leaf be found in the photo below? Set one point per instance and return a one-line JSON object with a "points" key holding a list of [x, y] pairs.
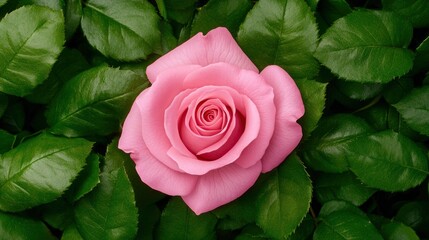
{"points": [[326, 149], [342, 186], [346, 225], [32, 38], [305, 229], [71, 233], [53, 4], [313, 95], [58, 214], [350, 51], [414, 109], [7, 141], [397, 89], [39, 170], [123, 30], [312, 4], [179, 11], [13, 119], [284, 201], [339, 205], [281, 32], [109, 211], [4, 100], [87, 179], [72, 16], [358, 91], [417, 11], [17, 227], [216, 13], [61, 72], [148, 218], [388, 161], [2, 2], [398, 231], [179, 221], [416, 215], [105, 97]]}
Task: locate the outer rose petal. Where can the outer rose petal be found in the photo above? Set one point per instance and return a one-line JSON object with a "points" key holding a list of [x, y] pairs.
{"points": [[217, 46], [151, 171], [290, 108], [221, 186]]}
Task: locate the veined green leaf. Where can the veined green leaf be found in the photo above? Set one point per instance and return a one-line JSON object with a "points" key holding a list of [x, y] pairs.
{"points": [[39, 170], [417, 11], [17, 227], [281, 32], [346, 225], [179, 221], [109, 211], [285, 199], [54, 4], [398, 231], [72, 16], [71, 233], [326, 150], [313, 95], [387, 160], [32, 38], [123, 30], [224, 13], [338, 205], [414, 108], [367, 46], [105, 97]]}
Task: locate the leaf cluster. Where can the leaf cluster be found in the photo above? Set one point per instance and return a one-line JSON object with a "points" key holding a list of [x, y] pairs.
{"points": [[70, 70]]}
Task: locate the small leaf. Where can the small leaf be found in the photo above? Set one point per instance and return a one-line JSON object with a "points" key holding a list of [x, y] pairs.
{"points": [[338, 205], [346, 225], [343, 186], [72, 16], [179, 11], [398, 231], [32, 38], [313, 95], [416, 215], [414, 109], [87, 179], [284, 201], [179, 221], [305, 229], [17, 227], [417, 11], [331, 10], [326, 149], [105, 97], [216, 13], [348, 49], [71, 233], [281, 32], [123, 30], [397, 89], [109, 211], [358, 91], [39, 170], [387, 161]]}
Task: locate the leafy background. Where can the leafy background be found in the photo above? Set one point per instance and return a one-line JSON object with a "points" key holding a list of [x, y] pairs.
{"points": [[70, 70]]}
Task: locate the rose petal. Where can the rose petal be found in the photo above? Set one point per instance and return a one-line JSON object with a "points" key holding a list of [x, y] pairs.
{"points": [[153, 106], [221, 186], [255, 88], [289, 109], [217, 46], [150, 170]]}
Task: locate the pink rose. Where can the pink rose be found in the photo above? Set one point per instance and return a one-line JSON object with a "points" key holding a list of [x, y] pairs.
{"points": [[211, 123]]}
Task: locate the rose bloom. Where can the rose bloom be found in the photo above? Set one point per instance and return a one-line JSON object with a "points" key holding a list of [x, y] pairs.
{"points": [[210, 123]]}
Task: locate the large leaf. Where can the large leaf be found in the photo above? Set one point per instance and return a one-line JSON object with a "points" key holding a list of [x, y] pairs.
{"points": [[417, 11], [313, 95], [32, 38], [179, 221], [40, 170], [325, 150], [224, 13], [342, 186], [346, 225], [388, 161], [351, 49], [284, 200], [281, 32], [17, 227], [414, 108], [109, 211], [123, 30], [105, 97]]}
